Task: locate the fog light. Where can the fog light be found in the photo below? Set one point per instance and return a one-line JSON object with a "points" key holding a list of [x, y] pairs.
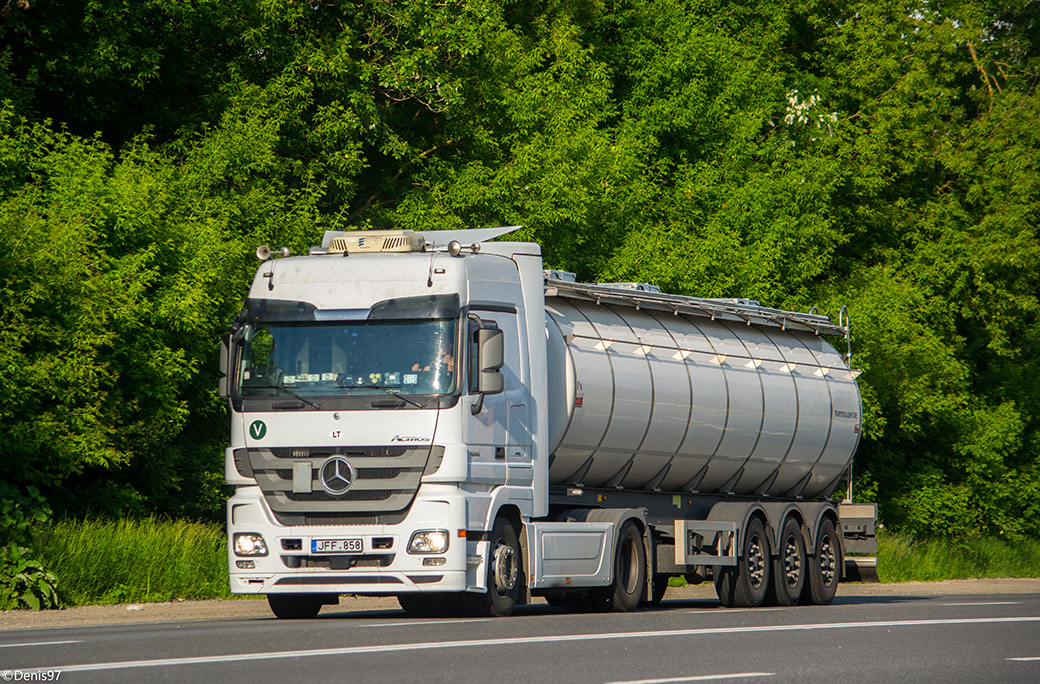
{"points": [[429, 541], [249, 544], [433, 561], [245, 565]]}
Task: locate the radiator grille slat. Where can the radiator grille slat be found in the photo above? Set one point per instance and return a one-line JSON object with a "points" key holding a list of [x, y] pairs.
{"points": [[385, 481]]}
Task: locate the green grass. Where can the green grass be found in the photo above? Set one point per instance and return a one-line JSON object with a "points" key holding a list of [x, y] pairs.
{"points": [[98, 562], [902, 559]]}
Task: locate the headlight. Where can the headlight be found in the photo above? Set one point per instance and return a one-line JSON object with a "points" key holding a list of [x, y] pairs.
{"points": [[249, 544], [429, 541]]}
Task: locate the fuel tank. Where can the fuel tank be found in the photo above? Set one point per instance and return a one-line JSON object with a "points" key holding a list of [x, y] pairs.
{"points": [[646, 398]]}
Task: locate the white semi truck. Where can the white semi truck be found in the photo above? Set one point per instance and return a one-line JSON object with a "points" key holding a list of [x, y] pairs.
{"points": [[434, 416]]}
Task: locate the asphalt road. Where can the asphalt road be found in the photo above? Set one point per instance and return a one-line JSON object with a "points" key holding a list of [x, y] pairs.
{"points": [[940, 638]]}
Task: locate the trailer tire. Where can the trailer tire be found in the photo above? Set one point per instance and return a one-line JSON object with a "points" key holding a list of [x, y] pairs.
{"points": [[504, 570], [791, 565], [295, 606], [747, 584], [625, 593], [824, 567]]}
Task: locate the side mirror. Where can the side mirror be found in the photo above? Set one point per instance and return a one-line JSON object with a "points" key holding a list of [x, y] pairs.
{"points": [[491, 356], [225, 361], [490, 348]]}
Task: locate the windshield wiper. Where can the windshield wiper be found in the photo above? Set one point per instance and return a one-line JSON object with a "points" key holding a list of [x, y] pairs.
{"points": [[391, 393], [288, 391]]}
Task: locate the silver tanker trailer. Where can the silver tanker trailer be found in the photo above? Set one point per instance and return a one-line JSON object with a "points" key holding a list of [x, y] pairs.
{"points": [[436, 417]]}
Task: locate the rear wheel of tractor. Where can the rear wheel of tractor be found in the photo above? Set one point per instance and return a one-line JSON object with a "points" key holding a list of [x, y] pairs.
{"points": [[746, 585], [295, 606], [824, 567], [626, 592], [790, 569], [504, 569]]}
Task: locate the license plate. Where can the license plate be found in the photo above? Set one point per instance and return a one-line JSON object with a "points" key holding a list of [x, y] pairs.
{"points": [[336, 546]]}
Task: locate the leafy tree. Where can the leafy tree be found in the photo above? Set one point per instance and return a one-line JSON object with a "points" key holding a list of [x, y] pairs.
{"points": [[877, 154]]}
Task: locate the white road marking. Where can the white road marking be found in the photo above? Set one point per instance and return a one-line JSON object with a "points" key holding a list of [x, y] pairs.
{"points": [[1024, 660], [699, 678], [518, 641], [984, 603], [40, 643]]}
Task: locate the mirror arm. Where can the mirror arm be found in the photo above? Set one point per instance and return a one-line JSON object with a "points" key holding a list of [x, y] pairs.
{"points": [[477, 406]]}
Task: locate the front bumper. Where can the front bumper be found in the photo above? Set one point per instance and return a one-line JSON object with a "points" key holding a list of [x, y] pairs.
{"points": [[383, 566]]}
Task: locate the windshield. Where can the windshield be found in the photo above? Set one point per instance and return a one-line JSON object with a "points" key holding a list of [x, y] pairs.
{"points": [[341, 358]]}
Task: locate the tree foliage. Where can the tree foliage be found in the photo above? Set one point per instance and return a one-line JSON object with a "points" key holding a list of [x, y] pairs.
{"points": [[878, 154]]}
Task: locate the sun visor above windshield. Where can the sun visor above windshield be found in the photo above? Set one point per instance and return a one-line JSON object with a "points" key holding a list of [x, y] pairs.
{"points": [[424, 307], [427, 307], [279, 310]]}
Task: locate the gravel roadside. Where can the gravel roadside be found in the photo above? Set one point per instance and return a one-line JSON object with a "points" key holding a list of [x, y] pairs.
{"points": [[180, 611]]}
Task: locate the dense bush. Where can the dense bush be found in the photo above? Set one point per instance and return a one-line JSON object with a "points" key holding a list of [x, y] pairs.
{"points": [[876, 154]]}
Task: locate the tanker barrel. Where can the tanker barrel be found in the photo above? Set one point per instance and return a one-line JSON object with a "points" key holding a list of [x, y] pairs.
{"points": [[642, 398]]}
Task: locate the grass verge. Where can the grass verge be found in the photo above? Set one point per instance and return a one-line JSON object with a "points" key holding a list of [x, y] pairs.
{"points": [[99, 561], [903, 559]]}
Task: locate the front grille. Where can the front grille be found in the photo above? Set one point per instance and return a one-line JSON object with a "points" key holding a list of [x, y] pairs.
{"points": [[368, 495], [340, 579], [386, 479]]}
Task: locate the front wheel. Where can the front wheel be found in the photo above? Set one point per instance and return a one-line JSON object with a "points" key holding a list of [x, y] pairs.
{"points": [[503, 574], [295, 606]]}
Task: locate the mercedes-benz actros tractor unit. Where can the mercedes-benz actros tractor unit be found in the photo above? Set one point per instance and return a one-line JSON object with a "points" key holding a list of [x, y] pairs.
{"points": [[434, 416]]}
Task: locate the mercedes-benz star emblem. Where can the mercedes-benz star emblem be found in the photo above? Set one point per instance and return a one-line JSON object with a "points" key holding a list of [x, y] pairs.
{"points": [[336, 475]]}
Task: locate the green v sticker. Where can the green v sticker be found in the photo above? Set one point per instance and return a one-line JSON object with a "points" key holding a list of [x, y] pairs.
{"points": [[258, 429]]}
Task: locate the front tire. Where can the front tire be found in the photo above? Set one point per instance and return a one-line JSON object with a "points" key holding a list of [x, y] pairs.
{"points": [[504, 571], [295, 606]]}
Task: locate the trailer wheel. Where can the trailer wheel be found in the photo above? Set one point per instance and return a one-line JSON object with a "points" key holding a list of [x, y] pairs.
{"points": [[625, 593], [295, 606], [824, 567], [503, 574], [746, 585], [790, 569]]}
